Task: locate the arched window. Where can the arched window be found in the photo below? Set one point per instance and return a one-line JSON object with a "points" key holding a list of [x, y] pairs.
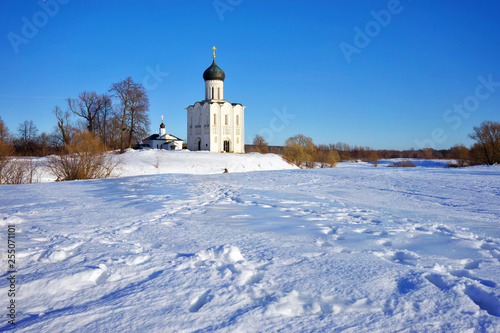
{"points": [[215, 119], [237, 120], [225, 118], [218, 93], [212, 92]]}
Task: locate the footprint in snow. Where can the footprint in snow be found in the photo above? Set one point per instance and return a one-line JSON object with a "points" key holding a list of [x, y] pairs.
{"points": [[199, 301], [484, 300]]}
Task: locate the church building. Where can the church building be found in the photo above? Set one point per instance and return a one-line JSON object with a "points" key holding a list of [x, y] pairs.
{"points": [[215, 124], [163, 140]]}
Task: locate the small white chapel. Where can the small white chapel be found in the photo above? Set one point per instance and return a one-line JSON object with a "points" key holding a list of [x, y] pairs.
{"points": [[163, 140], [215, 124]]}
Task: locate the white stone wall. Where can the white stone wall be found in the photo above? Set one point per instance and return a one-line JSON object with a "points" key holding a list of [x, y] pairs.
{"points": [[216, 122]]}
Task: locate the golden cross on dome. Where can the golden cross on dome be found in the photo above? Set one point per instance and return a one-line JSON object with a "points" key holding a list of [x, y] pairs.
{"points": [[214, 48]]}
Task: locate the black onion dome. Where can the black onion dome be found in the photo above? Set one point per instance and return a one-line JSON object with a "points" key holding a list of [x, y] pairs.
{"points": [[162, 125], [214, 72]]}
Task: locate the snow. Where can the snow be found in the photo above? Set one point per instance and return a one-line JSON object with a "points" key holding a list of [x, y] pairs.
{"points": [[183, 248], [154, 161]]}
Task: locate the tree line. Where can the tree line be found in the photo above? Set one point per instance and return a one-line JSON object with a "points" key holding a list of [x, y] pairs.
{"points": [[118, 118], [90, 125], [301, 150]]}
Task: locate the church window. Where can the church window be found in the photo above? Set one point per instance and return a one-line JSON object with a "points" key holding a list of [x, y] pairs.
{"points": [[212, 92], [237, 140], [226, 119], [215, 139], [215, 119], [237, 120], [218, 93]]}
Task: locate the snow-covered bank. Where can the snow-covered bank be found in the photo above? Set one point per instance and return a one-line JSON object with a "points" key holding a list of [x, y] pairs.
{"points": [[152, 162], [149, 161], [357, 249]]}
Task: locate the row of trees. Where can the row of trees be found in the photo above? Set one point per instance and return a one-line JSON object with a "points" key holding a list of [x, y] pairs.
{"points": [[118, 118], [302, 151]]}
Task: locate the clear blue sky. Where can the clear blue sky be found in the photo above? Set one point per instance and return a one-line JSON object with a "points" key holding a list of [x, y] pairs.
{"points": [[394, 87]]}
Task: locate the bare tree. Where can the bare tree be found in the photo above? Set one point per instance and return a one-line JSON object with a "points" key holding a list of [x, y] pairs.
{"points": [[26, 142], [5, 147], [44, 142], [4, 131], [103, 118], [132, 109], [138, 123], [461, 154], [64, 130], [87, 106], [27, 131], [261, 144], [487, 136]]}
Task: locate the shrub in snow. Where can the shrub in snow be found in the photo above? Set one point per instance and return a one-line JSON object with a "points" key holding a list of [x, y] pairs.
{"points": [[85, 159], [18, 171]]}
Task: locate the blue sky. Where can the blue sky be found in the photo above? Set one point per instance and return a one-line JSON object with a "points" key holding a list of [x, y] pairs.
{"points": [[385, 74]]}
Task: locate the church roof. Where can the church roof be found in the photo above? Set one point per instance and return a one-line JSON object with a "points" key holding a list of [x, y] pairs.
{"points": [[214, 72], [210, 102], [166, 138]]}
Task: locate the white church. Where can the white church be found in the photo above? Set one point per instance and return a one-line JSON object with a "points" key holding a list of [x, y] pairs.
{"points": [[215, 124], [163, 140]]}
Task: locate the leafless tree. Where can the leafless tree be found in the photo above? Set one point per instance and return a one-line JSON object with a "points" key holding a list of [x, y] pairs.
{"points": [[27, 131], [26, 141], [138, 123], [87, 106], [261, 144], [5, 147], [103, 118], [132, 109], [64, 130], [461, 154], [487, 136], [4, 131]]}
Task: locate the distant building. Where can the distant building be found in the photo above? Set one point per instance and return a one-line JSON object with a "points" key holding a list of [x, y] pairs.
{"points": [[214, 124], [163, 140]]}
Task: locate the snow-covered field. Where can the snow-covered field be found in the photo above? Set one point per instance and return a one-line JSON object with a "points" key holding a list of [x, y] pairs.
{"points": [[352, 248]]}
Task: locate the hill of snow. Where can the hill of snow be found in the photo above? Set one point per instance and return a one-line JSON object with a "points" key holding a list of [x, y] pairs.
{"points": [[152, 162], [353, 248], [149, 161]]}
